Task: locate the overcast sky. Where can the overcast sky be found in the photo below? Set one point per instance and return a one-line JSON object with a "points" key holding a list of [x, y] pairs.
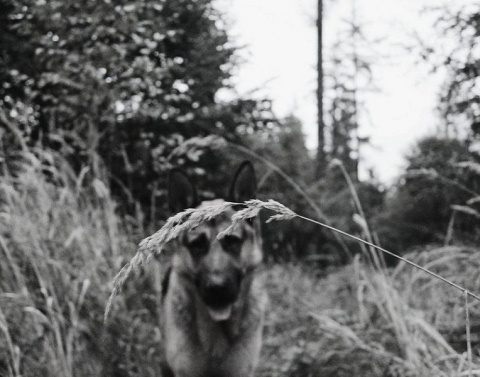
{"points": [[280, 59]]}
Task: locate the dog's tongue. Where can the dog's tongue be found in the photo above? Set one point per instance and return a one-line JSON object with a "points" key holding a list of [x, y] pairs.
{"points": [[220, 314]]}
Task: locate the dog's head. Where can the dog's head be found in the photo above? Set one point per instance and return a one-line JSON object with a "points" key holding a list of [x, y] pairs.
{"points": [[217, 267]]}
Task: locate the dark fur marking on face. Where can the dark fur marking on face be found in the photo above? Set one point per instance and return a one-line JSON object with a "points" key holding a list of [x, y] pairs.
{"points": [[198, 247], [232, 244], [166, 281]]}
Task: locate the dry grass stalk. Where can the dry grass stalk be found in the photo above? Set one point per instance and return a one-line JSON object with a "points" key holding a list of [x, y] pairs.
{"points": [[469, 340], [58, 236], [191, 218], [187, 220], [375, 258], [471, 294], [216, 142], [154, 244]]}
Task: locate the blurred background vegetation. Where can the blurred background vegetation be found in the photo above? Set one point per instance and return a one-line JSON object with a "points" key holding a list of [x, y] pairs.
{"points": [[99, 99]]}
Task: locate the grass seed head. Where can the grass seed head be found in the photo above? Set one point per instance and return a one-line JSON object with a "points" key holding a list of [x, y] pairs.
{"points": [[154, 244]]}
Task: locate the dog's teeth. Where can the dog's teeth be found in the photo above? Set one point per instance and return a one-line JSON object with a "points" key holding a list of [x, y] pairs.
{"points": [[220, 314]]}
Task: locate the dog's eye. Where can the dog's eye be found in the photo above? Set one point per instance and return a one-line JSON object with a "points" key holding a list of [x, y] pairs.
{"points": [[232, 244], [199, 246]]}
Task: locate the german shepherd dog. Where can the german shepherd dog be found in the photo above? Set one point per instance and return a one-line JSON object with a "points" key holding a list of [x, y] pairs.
{"points": [[213, 299]]}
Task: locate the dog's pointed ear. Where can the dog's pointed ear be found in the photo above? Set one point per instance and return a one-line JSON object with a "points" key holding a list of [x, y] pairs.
{"points": [[244, 184], [181, 192]]}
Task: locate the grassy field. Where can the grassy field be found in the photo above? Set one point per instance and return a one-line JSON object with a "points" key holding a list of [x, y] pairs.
{"points": [[61, 244], [356, 321]]}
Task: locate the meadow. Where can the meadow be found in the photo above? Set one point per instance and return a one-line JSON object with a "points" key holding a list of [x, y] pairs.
{"points": [[62, 242]]}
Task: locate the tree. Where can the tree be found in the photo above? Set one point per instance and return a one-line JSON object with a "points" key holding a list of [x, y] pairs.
{"points": [[420, 210], [130, 79], [460, 60], [284, 145], [16, 66], [321, 155], [348, 75]]}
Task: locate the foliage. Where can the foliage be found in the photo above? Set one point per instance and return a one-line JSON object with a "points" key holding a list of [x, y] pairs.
{"points": [[420, 210], [343, 199], [285, 146], [114, 60], [128, 79], [348, 76], [284, 170], [282, 144], [459, 57]]}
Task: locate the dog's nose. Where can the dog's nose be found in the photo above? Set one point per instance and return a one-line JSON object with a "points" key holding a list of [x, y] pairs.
{"points": [[217, 285], [216, 279], [219, 291]]}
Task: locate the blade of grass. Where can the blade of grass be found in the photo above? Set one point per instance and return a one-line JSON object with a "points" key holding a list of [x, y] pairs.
{"points": [[377, 259], [465, 291], [294, 185], [469, 341]]}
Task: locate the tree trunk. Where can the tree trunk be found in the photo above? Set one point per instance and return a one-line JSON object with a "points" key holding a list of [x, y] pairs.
{"points": [[321, 156]]}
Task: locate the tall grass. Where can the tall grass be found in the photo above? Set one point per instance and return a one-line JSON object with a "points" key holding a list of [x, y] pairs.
{"points": [[60, 242], [414, 346]]}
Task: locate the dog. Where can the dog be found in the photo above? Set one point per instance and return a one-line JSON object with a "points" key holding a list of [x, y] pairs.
{"points": [[213, 298]]}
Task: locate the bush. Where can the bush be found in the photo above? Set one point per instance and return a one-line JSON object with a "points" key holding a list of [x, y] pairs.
{"points": [[420, 209]]}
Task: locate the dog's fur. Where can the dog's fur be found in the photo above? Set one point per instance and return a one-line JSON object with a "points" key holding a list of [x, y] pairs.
{"points": [[213, 300]]}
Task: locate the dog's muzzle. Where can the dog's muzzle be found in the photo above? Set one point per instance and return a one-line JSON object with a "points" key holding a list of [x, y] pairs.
{"points": [[219, 291]]}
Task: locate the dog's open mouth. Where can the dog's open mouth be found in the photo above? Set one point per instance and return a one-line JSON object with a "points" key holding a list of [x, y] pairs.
{"points": [[220, 301], [221, 313], [219, 292]]}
